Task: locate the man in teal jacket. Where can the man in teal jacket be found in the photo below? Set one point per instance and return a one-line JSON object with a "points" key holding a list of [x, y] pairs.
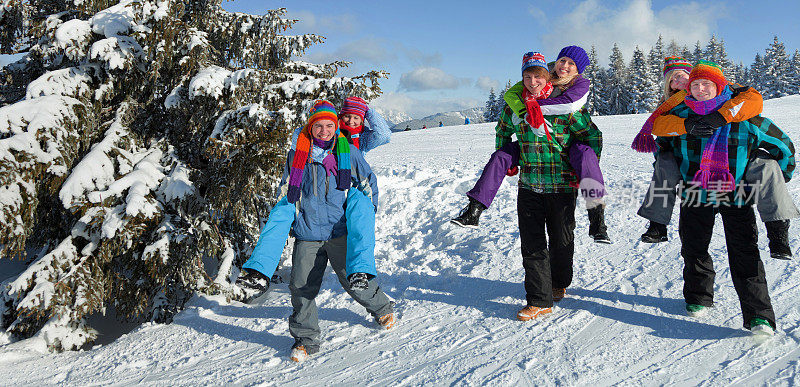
{"points": [[713, 169]]}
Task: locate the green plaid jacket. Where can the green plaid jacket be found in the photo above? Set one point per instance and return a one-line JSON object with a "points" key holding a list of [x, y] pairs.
{"points": [[545, 164], [744, 139]]}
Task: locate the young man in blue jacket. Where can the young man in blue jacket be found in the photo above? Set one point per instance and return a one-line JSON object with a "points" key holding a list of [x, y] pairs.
{"points": [[324, 175]]}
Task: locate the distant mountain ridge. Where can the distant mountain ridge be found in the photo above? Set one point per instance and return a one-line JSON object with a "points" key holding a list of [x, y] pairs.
{"points": [[393, 116], [475, 116]]}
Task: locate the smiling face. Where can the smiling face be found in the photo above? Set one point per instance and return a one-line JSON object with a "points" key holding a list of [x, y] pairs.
{"points": [[703, 89], [565, 67], [352, 120], [534, 79], [323, 129], [678, 80]]}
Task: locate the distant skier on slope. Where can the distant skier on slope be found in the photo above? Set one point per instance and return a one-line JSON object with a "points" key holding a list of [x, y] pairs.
{"points": [[714, 169]]}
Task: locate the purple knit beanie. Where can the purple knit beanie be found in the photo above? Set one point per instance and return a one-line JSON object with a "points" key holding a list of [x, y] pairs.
{"points": [[577, 54]]}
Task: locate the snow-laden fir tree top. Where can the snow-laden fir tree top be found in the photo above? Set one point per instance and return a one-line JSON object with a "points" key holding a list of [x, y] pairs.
{"points": [[140, 145]]}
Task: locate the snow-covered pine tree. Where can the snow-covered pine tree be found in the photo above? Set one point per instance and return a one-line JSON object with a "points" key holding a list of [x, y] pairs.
{"points": [[672, 48], [795, 73], [757, 70], [697, 54], [715, 52], [776, 72], [617, 92], [141, 142], [685, 52], [500, 103], [655, 59], [642, 88], [488, 114], [595, 103], [740, 74]]}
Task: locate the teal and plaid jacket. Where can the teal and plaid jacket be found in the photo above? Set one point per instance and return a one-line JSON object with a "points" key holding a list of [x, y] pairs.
{"points": [[545, 164], [744, 139]]}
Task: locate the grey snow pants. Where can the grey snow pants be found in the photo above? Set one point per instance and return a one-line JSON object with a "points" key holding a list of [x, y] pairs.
{"points": [[773, 199], [309, 261]]}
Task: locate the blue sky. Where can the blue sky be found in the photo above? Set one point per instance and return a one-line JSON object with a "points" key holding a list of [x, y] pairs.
{"points": [[444, 55]]}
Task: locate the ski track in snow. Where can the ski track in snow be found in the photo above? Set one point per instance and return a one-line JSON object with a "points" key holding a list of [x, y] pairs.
{"points": [[457, 293]]}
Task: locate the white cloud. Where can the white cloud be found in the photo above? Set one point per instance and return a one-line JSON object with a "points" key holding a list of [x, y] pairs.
{"points": [[538, 15], [487, 83], [428, 78], [420, 58], [369, 50], [633, 23], [310, 23], [418, 108]]}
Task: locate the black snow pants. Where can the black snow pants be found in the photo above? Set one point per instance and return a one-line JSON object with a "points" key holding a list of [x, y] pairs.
{"points": [[547, 265], [747, 270]]}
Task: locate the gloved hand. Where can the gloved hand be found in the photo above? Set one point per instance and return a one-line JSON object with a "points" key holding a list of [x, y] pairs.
{"points": [[696, 128], [329, 162], [713, 119], [512, 171]]}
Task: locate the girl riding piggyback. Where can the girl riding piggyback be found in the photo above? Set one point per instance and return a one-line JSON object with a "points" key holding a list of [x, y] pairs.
{"points": [[567, 94]]}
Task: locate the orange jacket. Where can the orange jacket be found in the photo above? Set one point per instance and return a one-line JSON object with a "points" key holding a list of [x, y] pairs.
{"points": [[745, 104]]}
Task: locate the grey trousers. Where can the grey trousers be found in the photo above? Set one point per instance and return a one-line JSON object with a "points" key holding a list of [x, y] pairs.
{"points": [[309, 261], [772, 197]]}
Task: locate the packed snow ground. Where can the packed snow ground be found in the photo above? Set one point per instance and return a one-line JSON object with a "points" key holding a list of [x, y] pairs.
{"points": [[458, 290]]}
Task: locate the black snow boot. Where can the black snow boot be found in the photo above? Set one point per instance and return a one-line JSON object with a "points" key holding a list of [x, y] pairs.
{"points": [[778, 235], [656, 233], [470, 214], [253, 284], [597, 225]]}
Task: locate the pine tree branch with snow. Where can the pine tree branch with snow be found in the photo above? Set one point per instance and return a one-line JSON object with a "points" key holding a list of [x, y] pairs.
{"points": [[141, 143]]}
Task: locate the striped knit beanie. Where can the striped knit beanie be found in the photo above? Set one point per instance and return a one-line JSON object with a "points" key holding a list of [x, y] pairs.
{"points": [[531, 59], [355, 105], [322, 110], [706, 69], [676, 63], [577, 54]]}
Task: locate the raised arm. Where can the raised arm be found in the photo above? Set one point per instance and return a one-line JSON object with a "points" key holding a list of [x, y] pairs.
{"points": [[376, 134]]}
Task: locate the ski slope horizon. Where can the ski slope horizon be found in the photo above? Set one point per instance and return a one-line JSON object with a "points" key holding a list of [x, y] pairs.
{"points": [[458, 290]]}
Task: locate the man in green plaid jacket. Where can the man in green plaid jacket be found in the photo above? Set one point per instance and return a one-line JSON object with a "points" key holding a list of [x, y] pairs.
{"points": [[546, 201], [545, 163]]}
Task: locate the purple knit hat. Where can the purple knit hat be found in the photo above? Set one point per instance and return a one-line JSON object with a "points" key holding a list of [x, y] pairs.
{"points": [[531, 59], [577, 54]]}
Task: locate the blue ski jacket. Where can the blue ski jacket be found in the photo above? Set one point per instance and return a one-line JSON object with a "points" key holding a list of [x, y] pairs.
{"points": [[319, 215]]}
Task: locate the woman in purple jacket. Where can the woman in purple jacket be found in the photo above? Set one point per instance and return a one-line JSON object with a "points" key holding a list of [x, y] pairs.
{"points": [[570, 93]]}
